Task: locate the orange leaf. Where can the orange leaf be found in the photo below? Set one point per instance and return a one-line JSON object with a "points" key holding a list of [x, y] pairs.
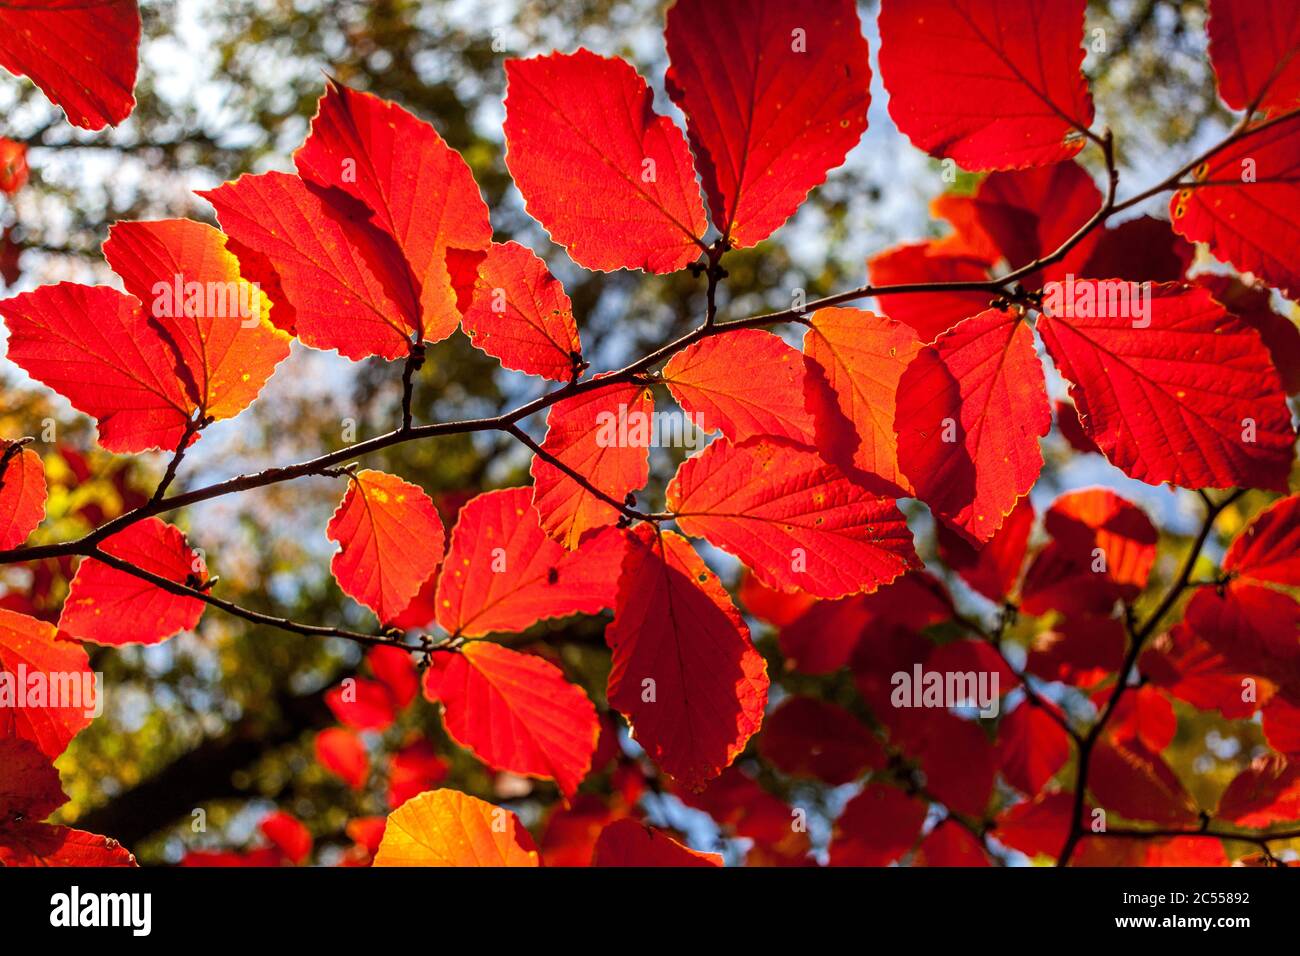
{"points": [[391, 540], [449, 828]]}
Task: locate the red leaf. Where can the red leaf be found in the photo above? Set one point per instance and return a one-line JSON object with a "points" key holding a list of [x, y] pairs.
{"points": [[29, 784], [1082, 651], [823, 639], [1136, 783], [1255, 49], [974, 406], [224, 345], [450, 828], [768, 604], [521, 315], [1166, 401], [743, 809], [288, 834], [571, 832], [391, 540], [35, 647], [855, 360], [1145, 715], [1039, 826], [1249, 220], [877, 826], [1190, 669], [503, 574], [792, 518], [394, 668], [361, 704], [812, 738], [341, 276], [1071, 429], [1102, 551], [1266, 792], [71, 338], [603, 435], [1031, 213], [1254, 628], [745, 384], [958, 761], [950, 844], [342, 753], [1031, 748], [108, 606], [82, 56], [1140, 250], [993, 85], [13, 165], [609, 178], [1269, 549], [22, 493], [418, 189], [628, 843], [993, 569], [684, 671], [1282, 726], [42, 845], [929, 313], [516, 712], [775, 95], [412, 770], [1253, 305]]}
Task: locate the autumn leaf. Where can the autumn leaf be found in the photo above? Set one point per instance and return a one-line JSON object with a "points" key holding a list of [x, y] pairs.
{"points": [[610, 179], [603, 435], [684, 672], [992, 85], [628, 843], [110, 606], [225, 345], [390, 540], [1031, 748], [813, 738], [502, 573], [1255, 51], [1242, 203], [342, 753], [855, 360], [797, 521], [82, 56], [36, 647], [972, 408], [775, 95], [876, 827], [1185, 394], [515, 712], [22, 493], [96, 347], [418, 189], [521, 315], [746, 384], [449, 828], [342, 277]]}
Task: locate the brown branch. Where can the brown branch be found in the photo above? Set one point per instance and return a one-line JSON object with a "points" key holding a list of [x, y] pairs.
{"points": [[256, 617]]}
